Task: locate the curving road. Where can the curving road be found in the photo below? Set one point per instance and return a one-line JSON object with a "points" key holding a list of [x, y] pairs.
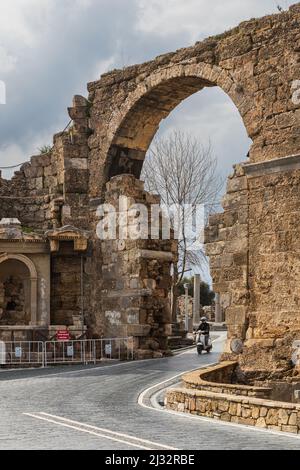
{"points": [[97, 408]]}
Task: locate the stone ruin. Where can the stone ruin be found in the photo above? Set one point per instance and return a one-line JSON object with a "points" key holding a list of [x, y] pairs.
{"points": [[254, 245]]}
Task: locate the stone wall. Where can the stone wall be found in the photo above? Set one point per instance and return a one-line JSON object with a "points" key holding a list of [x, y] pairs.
{"points": [[222, 378], [209, 392], [66, 299], [12, 290], [274, 269], [29, 194], [51, 189], [227, 247], [254, 254], [136, 278], [277, 416]]}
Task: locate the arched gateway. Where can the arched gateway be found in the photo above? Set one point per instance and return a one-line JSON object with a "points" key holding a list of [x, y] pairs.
{"points": [[254, 245]]}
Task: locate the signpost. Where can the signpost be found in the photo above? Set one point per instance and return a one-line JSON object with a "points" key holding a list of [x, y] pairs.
{"points": [[108, 350], [63, 335], [18, 352]]}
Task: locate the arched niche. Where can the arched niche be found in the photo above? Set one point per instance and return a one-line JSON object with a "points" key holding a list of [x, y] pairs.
{"points": [[33, 280]]}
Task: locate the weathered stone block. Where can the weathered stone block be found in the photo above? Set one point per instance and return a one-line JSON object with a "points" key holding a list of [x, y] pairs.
{"points": [[261, 423], [293, 419], [223, 405], [236, 315], [272, 417], [237, 184], [292, 429], [233, 409], [283, 417]]}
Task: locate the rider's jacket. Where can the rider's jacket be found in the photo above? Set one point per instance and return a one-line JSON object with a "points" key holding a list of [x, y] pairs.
{"points": [[204, 327]]}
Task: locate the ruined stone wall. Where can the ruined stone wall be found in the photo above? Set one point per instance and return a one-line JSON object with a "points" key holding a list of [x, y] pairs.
{"points": [[136, 278], [227, 245], [66, 301], [254, 253], [274, 265], [51, 190], [29, 194]]}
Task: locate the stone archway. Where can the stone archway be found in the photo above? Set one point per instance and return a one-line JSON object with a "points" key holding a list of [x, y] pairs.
{"points": [[138, 120], [134, 124], [254, 244], [33, 281], [257, 65]]}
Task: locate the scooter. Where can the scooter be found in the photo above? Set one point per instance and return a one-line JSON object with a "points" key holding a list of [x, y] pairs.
{"points": [[203, 343]]}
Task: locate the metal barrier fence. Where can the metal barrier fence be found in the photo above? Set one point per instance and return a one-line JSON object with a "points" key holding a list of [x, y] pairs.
{"points": [[89, 351], [22, 352]]}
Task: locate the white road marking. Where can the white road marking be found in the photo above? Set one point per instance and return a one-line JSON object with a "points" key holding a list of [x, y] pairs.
{"points": [[99, 432], [204, 366]]}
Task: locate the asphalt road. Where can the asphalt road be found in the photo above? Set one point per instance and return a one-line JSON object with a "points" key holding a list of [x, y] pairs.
{"points": [[97, 408]]}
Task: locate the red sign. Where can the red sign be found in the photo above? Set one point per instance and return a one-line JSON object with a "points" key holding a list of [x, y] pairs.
{"points": [[62, 335]]}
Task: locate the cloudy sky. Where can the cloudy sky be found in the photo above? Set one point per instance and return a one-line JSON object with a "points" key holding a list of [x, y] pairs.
{"points": [[50, 49]]}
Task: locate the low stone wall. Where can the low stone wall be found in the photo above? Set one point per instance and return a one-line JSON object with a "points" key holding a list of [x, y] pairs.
{"points": [[239, 409], [232, 402], [219, 378]]}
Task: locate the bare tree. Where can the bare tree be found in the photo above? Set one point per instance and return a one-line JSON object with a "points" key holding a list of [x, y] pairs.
{"points": [[183, 172]]}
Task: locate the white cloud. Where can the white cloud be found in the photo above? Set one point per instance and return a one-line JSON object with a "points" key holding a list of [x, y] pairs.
{"points": [[104, 66], [211, 116], [21, 20], [199, 18], [9, 156], [7, 62]]}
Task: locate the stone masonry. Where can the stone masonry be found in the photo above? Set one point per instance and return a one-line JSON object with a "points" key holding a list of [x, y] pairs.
{"points": [[253, 246], [208, 393], [136, 278]]}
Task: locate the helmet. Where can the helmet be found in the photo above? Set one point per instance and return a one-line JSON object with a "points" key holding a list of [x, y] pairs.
{"points": [[203, 319]]}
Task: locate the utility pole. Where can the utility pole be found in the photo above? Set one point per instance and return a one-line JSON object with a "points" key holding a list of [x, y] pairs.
{"points": [[196, 312], [218, 309], [186, 322]]}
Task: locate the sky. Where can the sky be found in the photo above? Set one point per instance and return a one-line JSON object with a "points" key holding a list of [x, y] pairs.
{"points": [[50, 49]]}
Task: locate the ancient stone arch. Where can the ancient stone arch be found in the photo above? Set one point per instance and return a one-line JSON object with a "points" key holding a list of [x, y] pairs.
{"points": [[256, 64], [137, 121], [253, 245], [33, 280]]}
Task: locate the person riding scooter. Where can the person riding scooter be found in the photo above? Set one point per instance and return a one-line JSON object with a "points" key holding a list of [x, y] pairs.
{"points": [[204, 328]]}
